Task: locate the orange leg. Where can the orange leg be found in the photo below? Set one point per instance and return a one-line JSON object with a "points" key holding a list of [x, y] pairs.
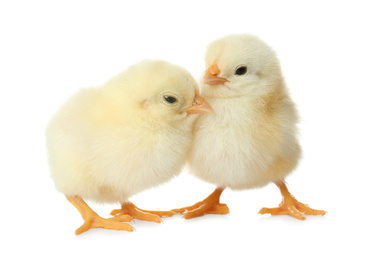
{"points": [[210, 205], [291, 206], [130, 209], [93, 220]]}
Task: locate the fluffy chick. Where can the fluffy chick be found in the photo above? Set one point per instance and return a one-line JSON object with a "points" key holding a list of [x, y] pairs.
{"points": [[251, 139], [109, 142]]}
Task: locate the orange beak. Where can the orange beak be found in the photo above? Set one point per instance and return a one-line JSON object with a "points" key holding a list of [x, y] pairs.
{"points": [[211, 76], [199, 106]]}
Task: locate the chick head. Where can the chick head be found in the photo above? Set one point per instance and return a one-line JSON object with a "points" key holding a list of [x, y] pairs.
{"points": [[160, 91], [239, 65]]}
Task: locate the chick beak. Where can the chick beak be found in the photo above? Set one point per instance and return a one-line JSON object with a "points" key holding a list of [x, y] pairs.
{"points": [[199, 106], [211, 76]]}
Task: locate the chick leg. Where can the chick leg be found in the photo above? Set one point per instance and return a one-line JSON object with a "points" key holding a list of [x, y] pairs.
{"points": [[291, 206], [93, 220], [130, 209], [210, 205]]}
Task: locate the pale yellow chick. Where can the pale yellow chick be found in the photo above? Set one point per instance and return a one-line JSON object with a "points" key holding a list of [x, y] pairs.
{"points": [[251, 139], [109, 142]]}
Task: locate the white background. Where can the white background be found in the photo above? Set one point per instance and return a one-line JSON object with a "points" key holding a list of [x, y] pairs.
{"points": [[335, 57]]}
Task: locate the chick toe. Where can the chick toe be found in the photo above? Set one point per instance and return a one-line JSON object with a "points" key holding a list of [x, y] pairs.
{"points": [[122, 218], [309, 211]]}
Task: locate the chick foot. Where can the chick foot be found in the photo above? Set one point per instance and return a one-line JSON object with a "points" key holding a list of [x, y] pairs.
{"points": [[210, 205], [130, 209], [290, 206], [93, 220]]}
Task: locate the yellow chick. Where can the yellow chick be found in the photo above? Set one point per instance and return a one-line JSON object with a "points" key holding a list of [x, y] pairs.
{"points": [[109, 142], [251, 139]]}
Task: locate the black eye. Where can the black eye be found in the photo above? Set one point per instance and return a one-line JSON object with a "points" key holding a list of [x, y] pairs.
{"points": [[170, 99], [241, 71]]}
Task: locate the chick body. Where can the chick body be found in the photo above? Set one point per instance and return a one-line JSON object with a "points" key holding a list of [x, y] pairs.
{"points": [[251, 145], [109, 142], [99, 158]]}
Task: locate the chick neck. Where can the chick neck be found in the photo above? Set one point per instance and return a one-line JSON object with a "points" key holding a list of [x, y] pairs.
{"points": [[156, 123]]}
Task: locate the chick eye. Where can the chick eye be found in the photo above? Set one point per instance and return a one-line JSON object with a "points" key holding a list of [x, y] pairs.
{"points": [[241, 70], [170, 99]]}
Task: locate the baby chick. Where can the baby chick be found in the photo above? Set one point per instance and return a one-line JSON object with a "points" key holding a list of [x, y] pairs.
{"points": [[251, 139], [132, 133]]}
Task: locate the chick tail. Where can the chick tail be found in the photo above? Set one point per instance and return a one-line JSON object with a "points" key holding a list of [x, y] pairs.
{"points": [[290, 205], [210, 205], [93, 220]]}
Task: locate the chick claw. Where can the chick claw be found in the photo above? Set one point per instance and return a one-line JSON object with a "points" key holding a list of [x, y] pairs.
{"points": [[210, 205], [294, 209], [290, 206], [93, 220], [149, 215], [202, 209]]}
